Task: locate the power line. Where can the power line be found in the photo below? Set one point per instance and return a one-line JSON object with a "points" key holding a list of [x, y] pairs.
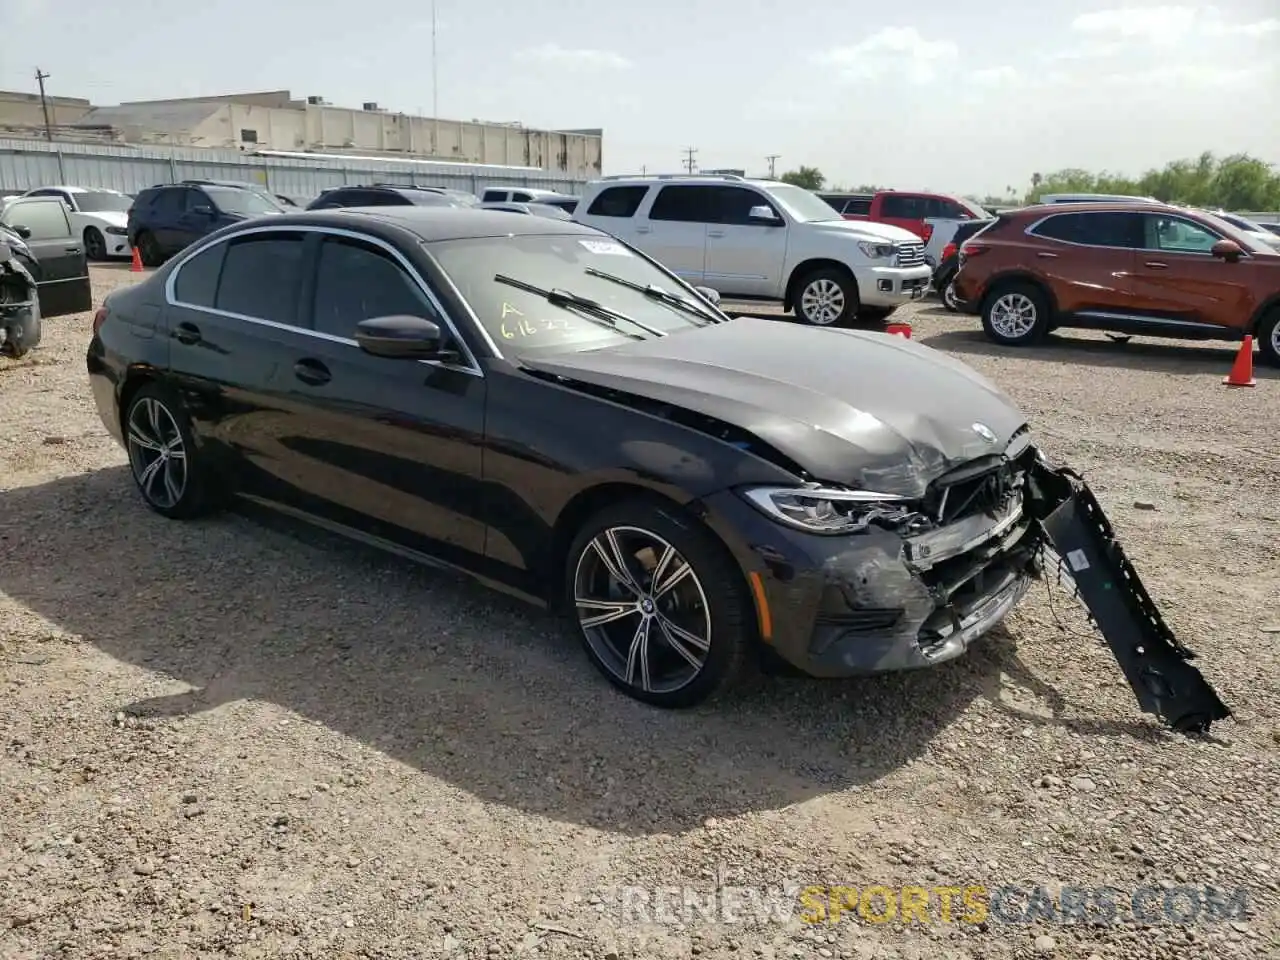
{"points": [[435, 73], [41, 77], [690, 153], [773, 159]]}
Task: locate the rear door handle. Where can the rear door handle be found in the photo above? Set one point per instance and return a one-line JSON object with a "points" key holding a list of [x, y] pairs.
{"points": [[187, 333], [642, 229], [311, 372], [715, 233], [72, 249], [1045, 255], [1156, 265]]}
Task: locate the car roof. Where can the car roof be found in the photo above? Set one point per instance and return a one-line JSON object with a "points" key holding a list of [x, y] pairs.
{"points": [[1114, 206], [434, 224], [69, 189]]}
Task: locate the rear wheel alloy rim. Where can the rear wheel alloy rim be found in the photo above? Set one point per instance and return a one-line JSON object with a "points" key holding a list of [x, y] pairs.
{"points": [[156, 453], [642, 609], [1013, 315], [822, 302], [1275, 340]]}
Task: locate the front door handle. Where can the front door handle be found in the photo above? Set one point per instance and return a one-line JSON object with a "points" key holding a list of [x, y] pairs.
{"points": [[1156, 265], [1045, 255], [187, 333], [72, 249], [715, 233], [642, 229], [311, 372]]}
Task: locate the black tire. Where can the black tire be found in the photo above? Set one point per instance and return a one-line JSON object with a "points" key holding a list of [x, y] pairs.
{"points": [[948, 294], [180, 488], [1268, 337], [710, 602], [834, 298], [149, 249], [95, 244], [1027, 301]]}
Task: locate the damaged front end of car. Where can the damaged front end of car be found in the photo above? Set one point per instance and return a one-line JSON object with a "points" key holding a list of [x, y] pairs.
{"points": [[19, 309]]}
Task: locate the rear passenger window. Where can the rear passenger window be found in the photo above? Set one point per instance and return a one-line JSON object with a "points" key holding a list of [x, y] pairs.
{"points": [[861, 208], [903, 207], [494, 196], [261, 276], [617, 202], [197, 281], [685, 204], [169, 202], [357, 281]]}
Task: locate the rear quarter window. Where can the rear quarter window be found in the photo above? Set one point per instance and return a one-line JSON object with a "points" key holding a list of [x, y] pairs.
{"points": [[197, 281]]}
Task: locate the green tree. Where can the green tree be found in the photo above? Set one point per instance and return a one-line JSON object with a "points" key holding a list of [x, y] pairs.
{"points": [[810, 178], [1237, 182]]}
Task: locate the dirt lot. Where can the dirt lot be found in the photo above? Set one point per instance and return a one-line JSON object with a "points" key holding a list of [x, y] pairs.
{"points": [[229, 740]]}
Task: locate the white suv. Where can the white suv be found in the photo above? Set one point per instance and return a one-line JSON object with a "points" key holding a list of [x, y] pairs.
{"points": [[762, 240]]}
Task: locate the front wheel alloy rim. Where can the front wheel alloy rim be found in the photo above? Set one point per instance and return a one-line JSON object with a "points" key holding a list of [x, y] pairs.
{"points": [[1275, 340], [822, 302], [1013, 315], [156, 452], [949, 294], [642, 609]]}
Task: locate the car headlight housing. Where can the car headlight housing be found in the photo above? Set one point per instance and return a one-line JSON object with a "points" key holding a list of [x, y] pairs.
{"points": [[118, 231], [831, 510], [876, 251]]}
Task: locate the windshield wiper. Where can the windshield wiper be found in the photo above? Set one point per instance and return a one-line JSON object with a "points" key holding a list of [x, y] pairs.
{"points": [[592, 310], [657, 293]]}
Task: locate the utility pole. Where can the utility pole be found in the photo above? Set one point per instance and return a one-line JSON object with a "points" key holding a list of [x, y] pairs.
{"points": [[435, 74], [41, 77], [773, 159], [690, 153]]}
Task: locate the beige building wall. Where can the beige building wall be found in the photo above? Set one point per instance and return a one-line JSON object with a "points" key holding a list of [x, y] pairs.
{"points": [[314, 127], [23, 109]]}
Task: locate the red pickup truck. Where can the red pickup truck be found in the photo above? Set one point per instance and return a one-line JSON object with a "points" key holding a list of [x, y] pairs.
{"points": [[905, 209]]}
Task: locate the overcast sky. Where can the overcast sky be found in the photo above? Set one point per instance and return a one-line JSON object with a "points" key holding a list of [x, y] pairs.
{"points": [[966, 96]]}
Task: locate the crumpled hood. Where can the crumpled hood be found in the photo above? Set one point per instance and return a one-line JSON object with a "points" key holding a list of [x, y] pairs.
{"points": [[866, 230], [869, 410], [108, 218]]}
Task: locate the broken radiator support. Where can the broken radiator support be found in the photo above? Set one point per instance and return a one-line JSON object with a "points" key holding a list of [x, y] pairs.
{"points": [[1154, 662]]}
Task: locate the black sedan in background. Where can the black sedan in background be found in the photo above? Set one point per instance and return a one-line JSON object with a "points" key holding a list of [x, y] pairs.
{"points": [[548, 409]]}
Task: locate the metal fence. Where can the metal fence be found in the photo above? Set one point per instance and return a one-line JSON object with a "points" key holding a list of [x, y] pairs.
{"points": [[27, 164]]}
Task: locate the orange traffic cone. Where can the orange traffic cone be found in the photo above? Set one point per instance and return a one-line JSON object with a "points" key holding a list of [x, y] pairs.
{"points": [[137, 262], [901, 329], [1242, 370]]}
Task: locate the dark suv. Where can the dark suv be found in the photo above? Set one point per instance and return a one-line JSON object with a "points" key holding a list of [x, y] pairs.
{"points": [[168, 217], [391, 195]]}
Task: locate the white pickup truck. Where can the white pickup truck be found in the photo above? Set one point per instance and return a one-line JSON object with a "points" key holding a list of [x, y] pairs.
{"points": [[762, 240]]}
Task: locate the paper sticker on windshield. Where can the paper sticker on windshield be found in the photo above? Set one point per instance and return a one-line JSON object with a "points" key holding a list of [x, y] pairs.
{"points": [[606, 247]]}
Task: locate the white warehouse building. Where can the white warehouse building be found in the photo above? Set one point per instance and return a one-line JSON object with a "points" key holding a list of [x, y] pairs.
{"points": [[273, 120]]}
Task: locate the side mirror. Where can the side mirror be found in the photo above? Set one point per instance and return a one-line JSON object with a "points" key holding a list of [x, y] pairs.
{"points": [[403, 338], [708, 294], [202, 210], [1227, 250], [23, 232], [762, 214]]}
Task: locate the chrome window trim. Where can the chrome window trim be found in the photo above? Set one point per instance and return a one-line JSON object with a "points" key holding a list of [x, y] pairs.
{"points": [[170, 295], [1030, 232]]}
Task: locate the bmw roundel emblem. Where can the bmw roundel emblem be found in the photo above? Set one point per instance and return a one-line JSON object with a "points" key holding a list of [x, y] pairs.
{"points": [[985, 432]]}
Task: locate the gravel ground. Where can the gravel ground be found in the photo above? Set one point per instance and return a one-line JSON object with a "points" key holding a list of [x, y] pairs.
{"points": [[228, 739]]}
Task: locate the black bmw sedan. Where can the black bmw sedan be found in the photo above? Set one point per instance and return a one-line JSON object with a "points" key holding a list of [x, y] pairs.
{"points": [[546, 408]]}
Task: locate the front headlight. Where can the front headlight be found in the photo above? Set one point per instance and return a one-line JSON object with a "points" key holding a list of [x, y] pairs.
{"points": [[118, 231], [835, 511], [876, 251]]}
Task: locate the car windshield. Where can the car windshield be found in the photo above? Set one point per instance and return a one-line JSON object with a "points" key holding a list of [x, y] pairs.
{"points": [[102, 202], [521, 322], [245, 202], [803, 205]]}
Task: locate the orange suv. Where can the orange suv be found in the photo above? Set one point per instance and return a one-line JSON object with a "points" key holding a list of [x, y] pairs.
{"points": [[1137, 268]]}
